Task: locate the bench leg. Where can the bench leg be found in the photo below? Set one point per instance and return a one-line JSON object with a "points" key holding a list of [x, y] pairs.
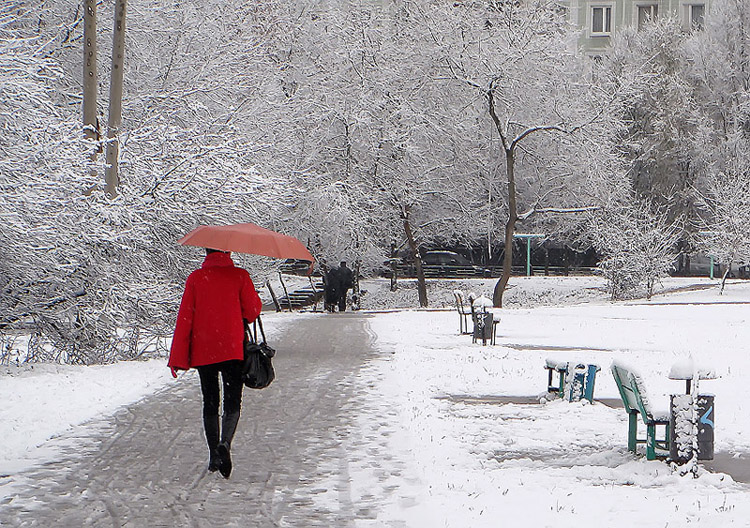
{"points": [[651, 442], [561, 391], [632, 431], [463, 324]]}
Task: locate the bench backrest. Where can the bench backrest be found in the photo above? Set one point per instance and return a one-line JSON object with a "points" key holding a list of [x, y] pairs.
{"points": [[631, 392], [460, 306]]}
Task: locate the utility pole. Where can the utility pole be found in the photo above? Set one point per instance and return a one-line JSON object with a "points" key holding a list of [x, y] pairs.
{"points": [[111, 176]]}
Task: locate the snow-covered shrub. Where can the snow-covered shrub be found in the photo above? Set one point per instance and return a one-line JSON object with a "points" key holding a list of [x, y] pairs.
{"points": [[638, 248], [725, 203]]}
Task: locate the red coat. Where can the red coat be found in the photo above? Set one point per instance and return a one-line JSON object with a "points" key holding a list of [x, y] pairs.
{"points": [[209, 324]]}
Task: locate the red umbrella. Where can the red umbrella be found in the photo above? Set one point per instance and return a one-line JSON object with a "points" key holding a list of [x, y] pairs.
{"points": [[247, 238]]}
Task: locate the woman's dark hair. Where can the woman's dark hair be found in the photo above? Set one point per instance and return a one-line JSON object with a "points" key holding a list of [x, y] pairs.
{"points": [[209, 251]]}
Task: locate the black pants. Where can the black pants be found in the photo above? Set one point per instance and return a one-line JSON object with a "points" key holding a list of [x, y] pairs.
{"points": [[231, 378], [331, 298]]}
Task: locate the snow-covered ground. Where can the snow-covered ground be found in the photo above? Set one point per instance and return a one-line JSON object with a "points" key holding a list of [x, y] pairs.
{"points": [[565, 464], [479, 461], [41, 401]]}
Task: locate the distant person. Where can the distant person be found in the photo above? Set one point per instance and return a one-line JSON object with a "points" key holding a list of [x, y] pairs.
{"points": [[331, 292], [338, 281], [346, 282], [209, 336]]}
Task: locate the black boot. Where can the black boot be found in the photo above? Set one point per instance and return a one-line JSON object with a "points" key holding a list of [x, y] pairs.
{"points": [[228, 427], [211, 427]]}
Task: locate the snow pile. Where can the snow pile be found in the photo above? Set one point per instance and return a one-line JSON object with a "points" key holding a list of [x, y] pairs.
{"points": [[686, 369]]}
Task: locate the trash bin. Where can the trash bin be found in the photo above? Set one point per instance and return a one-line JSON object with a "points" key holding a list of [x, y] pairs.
{"points": [[686, 427], [579, 383], [483, 327], [705, 427]]}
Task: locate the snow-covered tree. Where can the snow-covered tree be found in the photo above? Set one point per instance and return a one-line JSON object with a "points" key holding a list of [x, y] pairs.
{"points": [[660, 112], [518, 61], [114, 120], [725, 201], [381, 150], [721, 76], [638, 246], [84, 269]]}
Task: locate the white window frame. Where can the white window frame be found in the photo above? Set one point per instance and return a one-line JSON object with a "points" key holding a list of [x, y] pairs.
{"points": [[604, 6], [654, 5]]}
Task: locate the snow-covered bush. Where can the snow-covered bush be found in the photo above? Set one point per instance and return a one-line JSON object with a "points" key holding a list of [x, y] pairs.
{"points": [[725, 203], [638, 246]]}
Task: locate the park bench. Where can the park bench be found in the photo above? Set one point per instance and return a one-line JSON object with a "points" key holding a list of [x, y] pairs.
{"points": [[464, 312], [561, 369], [575, 381], [636, 402]]}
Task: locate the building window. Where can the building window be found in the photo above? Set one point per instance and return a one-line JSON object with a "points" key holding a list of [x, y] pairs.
{"points": [[647, 14], [696, 15], [601, 20]]}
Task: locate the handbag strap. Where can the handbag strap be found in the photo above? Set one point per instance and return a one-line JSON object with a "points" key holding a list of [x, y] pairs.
{"points": [[250, 334], [260, 324]]}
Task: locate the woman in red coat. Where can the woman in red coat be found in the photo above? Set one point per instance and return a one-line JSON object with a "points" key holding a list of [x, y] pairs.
{"points": [[208, 336]]}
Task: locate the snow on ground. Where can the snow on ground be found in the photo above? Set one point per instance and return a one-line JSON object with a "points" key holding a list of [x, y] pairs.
{"points": [[522, 291], [565, 464], [471, 459], [41, 401]]}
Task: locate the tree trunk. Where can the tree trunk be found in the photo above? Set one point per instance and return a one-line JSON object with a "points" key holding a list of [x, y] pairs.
{"points": [[111, 177], [421, 286], [510, 228], [90, 128], [724, 277], [394, 268]]}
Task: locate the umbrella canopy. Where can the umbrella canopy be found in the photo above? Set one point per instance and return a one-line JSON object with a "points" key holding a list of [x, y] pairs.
{"points": [[247, 238]]}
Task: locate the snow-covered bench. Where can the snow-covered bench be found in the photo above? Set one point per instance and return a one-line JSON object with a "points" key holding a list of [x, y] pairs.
{"points": [[575, 381], [561, 369], [636, 401]]}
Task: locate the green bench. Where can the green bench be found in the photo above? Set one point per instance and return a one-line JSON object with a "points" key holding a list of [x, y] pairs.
{"points": [[561, 369], [636, 402], [575, 381]]}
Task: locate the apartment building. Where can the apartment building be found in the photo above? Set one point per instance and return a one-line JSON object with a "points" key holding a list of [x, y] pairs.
{"points": [[600, 20]]}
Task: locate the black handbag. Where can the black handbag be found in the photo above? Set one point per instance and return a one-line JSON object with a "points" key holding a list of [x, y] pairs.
{"points": [[257, 371]]}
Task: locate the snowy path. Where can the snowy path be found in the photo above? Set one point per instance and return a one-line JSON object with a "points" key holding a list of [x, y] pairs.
{"points": [[146, 467]]}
